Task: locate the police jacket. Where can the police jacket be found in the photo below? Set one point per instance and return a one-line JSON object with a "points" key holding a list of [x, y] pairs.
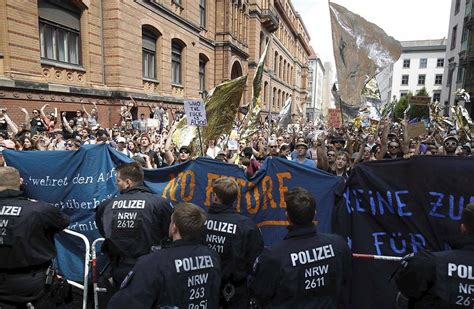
{"points": [[183, 274], [27, 228], [305, 270], [133, 222], [236, 239], [440, 279]]}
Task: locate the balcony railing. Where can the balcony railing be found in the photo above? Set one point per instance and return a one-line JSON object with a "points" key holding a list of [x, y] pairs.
{"points": [[270, 19]]}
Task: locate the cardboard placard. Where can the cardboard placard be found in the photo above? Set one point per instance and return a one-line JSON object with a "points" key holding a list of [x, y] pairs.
{"points": [[416, 129], [195, 112]]}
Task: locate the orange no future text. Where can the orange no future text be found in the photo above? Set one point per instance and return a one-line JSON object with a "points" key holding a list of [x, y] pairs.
{"points": [[183, 187]]}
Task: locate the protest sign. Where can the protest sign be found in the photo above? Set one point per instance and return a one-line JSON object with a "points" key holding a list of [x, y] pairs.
{"points": [[416, 129], [396, 207], [195, 112], [78, 181]]}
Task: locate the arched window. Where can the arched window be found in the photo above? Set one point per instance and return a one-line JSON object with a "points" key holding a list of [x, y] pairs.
{"points": [[203, 60], [274, 98], [60, 31], [176, 61], [149, 56], [236, 70], [275, 63]]}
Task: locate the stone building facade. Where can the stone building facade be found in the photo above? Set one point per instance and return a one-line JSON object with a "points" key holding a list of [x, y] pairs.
{"points": [[68, 53]]}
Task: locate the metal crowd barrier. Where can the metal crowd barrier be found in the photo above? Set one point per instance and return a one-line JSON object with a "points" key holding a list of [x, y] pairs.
{"points": [[86, 266], [94, 272]]}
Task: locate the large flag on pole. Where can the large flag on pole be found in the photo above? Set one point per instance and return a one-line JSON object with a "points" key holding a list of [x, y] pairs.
{"points": [[361, 50], [249, 126], [222, 105], [285, 114]]}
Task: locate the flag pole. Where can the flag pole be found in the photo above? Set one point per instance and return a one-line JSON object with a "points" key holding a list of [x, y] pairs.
{"points": [[376, 257]]}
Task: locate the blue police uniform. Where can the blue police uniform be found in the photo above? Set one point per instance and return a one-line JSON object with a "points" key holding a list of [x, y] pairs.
{"points": [[27, 247], [131, 223], [439, 279], [238, 242], [305, 270], [183, 274]]}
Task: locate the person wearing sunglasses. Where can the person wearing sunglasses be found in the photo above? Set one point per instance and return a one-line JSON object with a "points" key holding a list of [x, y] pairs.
{"points": [[36, 124], [72, 144], [450, 145]]}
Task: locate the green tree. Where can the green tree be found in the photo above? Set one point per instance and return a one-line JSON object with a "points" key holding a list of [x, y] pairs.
{"points": [[416, 111], [420, 111], [400, 106]]}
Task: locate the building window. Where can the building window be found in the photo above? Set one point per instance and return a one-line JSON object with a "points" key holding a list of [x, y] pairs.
{"points": [[177, 2], [460, 76], [149, 54], [465, 34], [405, 79], [440, 63], [421, 79], [406, 63], [176, 63], [59, 27], [453, 36], [202, 13], [403, 94], [202, 72], [439, 79], [423, 63], [457, 7], [436, 96]]}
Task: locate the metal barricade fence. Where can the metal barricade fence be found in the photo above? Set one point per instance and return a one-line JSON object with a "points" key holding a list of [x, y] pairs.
{"points": [[94, 272], [86, 267]]}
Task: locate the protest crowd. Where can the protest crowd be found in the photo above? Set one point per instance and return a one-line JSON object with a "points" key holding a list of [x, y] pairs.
{"points": [[148, 140]]}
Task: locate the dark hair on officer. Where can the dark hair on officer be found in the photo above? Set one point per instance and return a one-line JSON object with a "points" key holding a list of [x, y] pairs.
{"points": [[189, 219], [226, 190], [300, 206], [132, 171], [468, 218]]}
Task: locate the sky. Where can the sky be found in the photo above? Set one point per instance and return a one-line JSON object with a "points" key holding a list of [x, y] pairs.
{"points": [[405, 20]]}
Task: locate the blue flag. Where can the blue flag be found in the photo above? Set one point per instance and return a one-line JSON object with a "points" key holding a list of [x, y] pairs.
{"points": [[78, 181]]}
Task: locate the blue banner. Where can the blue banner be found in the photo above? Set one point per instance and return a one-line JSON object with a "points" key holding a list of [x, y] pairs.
{"points": [[78, 181]]}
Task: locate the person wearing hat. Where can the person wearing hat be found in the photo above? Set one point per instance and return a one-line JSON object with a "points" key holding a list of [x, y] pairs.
{"points": [[121, 146], [450, 144], [441, 279], [466, 150], [301, 150], [338, 142], [221, 156]]}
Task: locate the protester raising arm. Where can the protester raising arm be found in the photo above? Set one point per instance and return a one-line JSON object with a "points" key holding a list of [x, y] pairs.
{"points": [[13, 127], [169, 157], [66, 123], [321, 153], [27, 118], [383, 140]]}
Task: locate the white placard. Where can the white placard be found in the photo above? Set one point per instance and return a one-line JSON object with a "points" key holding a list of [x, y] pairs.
{"points": [[195, 112]]}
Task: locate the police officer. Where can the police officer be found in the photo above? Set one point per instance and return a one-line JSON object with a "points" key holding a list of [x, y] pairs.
{"points": [[306, 269], [27, 229], [181, 274], [441, 279], [235, 238], [132, 222]]}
